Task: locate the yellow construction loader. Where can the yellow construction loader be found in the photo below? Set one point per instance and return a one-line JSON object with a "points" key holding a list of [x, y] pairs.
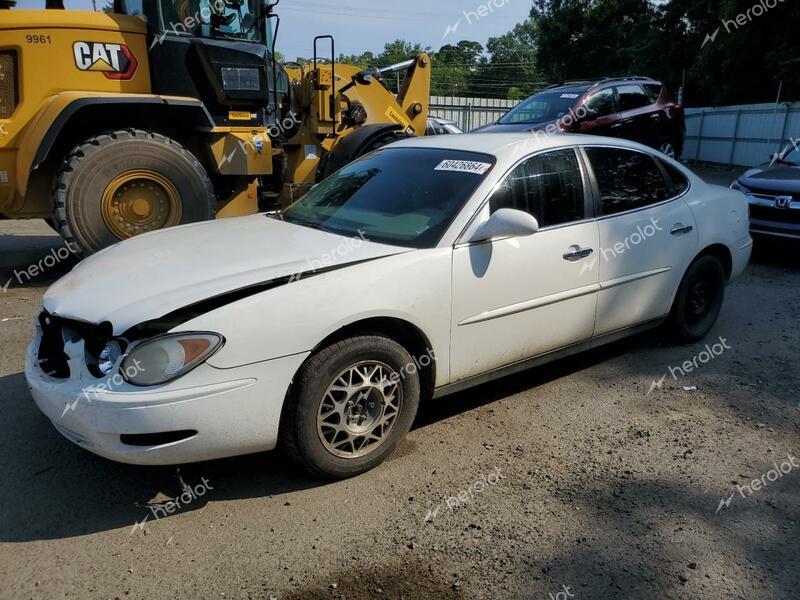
{"points": [[166, 112]]}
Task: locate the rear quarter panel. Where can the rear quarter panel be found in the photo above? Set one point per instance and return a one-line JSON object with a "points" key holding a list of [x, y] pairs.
{"points": [[721, 215]]}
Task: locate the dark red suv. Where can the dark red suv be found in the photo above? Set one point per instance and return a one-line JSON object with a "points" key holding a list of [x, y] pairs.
{"points": [[634, 108]]}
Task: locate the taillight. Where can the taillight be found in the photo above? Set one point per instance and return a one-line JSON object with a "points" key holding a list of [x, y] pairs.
{"points": [[8, 84]]}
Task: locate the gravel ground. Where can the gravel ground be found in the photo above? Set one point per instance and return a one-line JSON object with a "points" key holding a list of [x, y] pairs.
{"points": [[568, 481]]}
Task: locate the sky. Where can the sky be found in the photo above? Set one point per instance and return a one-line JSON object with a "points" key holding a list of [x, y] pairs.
{"points": [[361, 25]]}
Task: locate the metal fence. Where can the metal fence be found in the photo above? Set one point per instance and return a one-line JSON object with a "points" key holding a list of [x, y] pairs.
{"points": [[470, 113], [744, 135]]}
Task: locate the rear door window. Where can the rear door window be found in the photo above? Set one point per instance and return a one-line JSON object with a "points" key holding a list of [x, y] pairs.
{"points": [[626, 179], [632, 97], [653, 91]]}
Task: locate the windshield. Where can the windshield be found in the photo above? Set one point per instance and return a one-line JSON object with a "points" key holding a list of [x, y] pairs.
{"points": [[399, 196], [542, 107], [209, 18]]}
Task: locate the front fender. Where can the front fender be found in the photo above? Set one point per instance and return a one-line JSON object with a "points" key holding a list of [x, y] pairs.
{"points": [[298, 316], [40, 135]]}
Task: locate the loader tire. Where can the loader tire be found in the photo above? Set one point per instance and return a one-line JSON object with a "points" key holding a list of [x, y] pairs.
{"points": [[391, 138], [123, 183]]}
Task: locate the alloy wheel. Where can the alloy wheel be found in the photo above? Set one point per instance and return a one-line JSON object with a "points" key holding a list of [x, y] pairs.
{"points": [[359, 409]]}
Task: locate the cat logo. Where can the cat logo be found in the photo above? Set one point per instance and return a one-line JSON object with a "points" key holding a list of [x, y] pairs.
{"points": [[115, 61]]}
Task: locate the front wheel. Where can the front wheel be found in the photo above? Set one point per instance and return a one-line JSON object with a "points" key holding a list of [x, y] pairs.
{"points": [[698, 301], [121, 184], [350, 405]]}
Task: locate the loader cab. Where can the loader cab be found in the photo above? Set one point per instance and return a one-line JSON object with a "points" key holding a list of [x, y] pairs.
{"points": [[220, 51]]}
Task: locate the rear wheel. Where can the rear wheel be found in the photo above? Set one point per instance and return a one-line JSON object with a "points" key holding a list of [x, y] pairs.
{"points": [[698, 301], [350, 405], [119, 185]]}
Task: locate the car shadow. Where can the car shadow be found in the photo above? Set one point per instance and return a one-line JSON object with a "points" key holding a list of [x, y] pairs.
{"points": [[57, 490], [62, 491]]}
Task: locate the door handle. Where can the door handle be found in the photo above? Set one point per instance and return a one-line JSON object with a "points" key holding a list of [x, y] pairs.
{"points": [[680, 229], [616, 126], [577, 254]]}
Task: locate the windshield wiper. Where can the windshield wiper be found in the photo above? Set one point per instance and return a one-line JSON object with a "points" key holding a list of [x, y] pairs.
{"points": [[302, 223]]}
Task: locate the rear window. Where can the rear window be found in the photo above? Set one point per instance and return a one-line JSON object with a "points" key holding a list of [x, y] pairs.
{"points": [[653, 91], [627, 179], [678, 180], [632, 97], [398, 196]]}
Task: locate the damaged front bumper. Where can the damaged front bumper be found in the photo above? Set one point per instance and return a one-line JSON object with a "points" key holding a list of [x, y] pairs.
{"points": [[209, 413]]}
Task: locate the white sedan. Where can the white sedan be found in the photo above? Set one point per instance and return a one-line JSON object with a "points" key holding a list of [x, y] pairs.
{"points": [[424, 268]]}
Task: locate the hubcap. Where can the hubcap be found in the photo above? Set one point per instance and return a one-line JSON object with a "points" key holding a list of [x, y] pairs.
{"points": [[140, 201], [698, 302], [359, 409], [667, 149]]}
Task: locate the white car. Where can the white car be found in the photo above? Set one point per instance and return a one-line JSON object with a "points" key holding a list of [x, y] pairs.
{"points": [[421, 269]]}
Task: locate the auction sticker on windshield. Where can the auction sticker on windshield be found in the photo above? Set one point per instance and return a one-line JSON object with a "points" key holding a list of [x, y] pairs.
{"points": [[464, 166]]}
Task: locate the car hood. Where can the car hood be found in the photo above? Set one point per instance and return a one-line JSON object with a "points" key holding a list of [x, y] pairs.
{"points": [[154, 274], [777, 178], [512, 127]]}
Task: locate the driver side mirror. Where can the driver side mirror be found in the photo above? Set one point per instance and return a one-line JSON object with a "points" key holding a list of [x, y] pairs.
{"points": [[506, 223]]}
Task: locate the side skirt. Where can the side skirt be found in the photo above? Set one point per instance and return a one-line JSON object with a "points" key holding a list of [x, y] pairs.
{"points": [[547, 357]]}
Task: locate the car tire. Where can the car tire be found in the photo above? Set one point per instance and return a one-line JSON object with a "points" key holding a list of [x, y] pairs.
{"points": [[334, 424], [699, 300], [120, 184]]}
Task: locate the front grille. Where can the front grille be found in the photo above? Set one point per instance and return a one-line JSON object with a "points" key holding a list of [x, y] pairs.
{"points": [[779, 215], [772, 194], [52, 358], [56, 331]]}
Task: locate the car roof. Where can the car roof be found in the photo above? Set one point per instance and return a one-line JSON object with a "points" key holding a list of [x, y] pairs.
{"points": [[510, 144], [587, 84], [566, 88]]}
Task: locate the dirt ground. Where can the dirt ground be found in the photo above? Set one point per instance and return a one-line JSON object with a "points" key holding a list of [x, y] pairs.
{"points": [[571, 481]]}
